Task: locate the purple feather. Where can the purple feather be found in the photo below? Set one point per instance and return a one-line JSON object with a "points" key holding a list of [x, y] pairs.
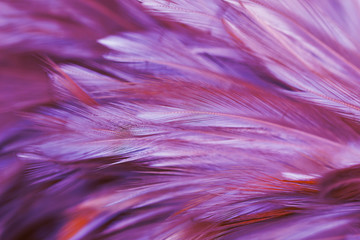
{"points": [[179, 119]]}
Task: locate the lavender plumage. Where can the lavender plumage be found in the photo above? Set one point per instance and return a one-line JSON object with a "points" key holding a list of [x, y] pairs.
{"points": [[179, 119]]}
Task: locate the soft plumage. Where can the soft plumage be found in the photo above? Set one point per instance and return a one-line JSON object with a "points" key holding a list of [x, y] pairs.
{"points": [[179, 119]]}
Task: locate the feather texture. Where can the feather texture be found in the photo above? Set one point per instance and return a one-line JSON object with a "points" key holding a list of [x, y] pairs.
{"points": [[159, 119]]}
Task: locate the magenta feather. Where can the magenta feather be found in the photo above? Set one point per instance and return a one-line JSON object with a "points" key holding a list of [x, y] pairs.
{"points": [[179, 119]]}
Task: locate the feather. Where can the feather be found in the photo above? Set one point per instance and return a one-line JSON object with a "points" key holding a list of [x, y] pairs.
{"points": [[179, 119]]}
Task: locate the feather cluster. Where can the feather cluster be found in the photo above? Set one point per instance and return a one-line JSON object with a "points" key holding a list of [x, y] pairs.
{"points": [[179, 119]]}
